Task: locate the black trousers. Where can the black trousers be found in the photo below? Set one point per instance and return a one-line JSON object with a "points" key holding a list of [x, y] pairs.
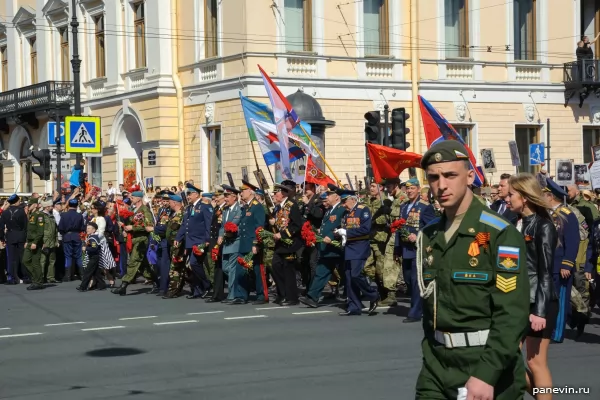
{"points": [[93, 271], [284, 274], [308, 265], [14, 264], [219, 282]]}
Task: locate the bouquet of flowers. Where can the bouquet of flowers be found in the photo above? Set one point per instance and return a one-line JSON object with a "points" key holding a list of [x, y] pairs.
{"points": [[214, 253], [398, 226], [177, 259], [199, 249], [246, 261], [138, 219], [231, 229], [266, 237], [311, 238]]}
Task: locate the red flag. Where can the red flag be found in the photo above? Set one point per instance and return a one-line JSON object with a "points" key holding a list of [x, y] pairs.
{"points": [[315, 175], [389, 163]]}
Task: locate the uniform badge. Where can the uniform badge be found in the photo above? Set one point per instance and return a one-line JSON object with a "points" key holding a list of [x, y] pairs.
{"points": [[430, 260], [365, 215], [429, 249], [473, 262], [506, 284], [437, 157], [332, 218], [471, 230], [508, 258], [40, 219]]}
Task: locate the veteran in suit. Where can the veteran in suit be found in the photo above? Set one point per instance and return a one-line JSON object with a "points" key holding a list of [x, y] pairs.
{"points": [[230, 242]]}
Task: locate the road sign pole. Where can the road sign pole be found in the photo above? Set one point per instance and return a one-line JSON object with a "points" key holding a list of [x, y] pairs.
{"points": [[548, 147], [385, 139], [58, 155], [76, 63]]}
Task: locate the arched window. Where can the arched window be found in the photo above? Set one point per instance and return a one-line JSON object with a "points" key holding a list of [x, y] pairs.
{"points": [[26, 179]]}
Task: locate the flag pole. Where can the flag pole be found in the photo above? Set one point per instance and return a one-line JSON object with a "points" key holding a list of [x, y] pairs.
{"points": [[319, 153]]}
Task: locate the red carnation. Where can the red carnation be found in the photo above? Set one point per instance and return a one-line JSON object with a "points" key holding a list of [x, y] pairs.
{"points": [[231, 228], [397, 224], [198, 249], [214, 254]]}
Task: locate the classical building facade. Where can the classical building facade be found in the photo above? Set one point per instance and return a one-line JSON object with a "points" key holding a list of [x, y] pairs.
{"points": [[165, 76]]}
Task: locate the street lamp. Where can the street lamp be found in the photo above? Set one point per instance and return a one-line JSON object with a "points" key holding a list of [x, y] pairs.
{"points": [[76, 63]]}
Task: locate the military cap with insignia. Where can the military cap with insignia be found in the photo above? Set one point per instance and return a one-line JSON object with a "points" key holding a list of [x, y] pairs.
{"points": [[260, 192], [230, 189], [165, 194], [446, 151], [218, 191], [248, 185], [13, 199], [412, 182], [556, 190], [193, 189], [331, 188], [285, 186], [208, 195], [174, 196], [344, 193]]}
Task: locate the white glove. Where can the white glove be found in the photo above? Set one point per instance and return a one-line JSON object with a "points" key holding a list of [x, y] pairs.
{"points": [[343, 240], [341, 232]]}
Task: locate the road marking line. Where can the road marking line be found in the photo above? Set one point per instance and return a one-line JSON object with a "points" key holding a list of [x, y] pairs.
{"points": [[4, 329], [272, 308], [132, 318], [103, 328], [248, 317], [311, 312], [175, 322], [205, 312], [65, 323], [21, 335]]}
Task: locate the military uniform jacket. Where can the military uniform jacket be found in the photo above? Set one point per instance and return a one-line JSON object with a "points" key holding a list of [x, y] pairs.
{"points": [[162, 222], [231, 214], [567, 228], [71, 225], [357, 224], [35, 228], [331, 221], [253, 217], [587, 209], [142, 218], [288, 222], [195, 227], [481, 282], [14, 221], [215, 225], [50, 231], [379, 220], [313, 212], [173, 226], [420, 214]]}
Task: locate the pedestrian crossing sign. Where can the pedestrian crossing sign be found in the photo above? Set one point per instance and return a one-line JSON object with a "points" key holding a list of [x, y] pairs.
{"points": [[82, 134]]}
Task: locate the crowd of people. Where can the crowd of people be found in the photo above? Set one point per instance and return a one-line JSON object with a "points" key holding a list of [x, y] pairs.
{"points": [[470, 264]]}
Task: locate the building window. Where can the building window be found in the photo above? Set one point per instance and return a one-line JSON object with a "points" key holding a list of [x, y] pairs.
{"points": [[95, 169], [591, 137], [4, 68], [524, 136], [590, 21], [100, 51], [26, 178], [140, 35], [457, 28], [465, 132], [215, 165], [33, 60], [211, 31], [376, 27], [525, 29], [298, 25], [65, 64]]}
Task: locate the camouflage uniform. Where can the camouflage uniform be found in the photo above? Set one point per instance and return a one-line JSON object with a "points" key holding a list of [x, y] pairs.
{"points": [[268, 250], [580, 291], [177, 268], [391, 268], [379, 237]]}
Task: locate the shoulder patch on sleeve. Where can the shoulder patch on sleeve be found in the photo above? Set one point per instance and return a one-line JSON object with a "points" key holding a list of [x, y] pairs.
{"points": [[565, 210], [361, 206], [433, 221], [492, 220]]}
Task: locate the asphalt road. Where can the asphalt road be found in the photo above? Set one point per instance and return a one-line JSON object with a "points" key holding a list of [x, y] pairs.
{"points": [[61, 344]]}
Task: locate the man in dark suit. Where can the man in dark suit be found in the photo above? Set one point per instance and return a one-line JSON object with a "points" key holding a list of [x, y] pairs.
{"points": [[500, 205]]}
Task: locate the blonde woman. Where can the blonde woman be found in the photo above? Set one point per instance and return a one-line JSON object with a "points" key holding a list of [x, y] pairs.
{"points": [[525, 198]]}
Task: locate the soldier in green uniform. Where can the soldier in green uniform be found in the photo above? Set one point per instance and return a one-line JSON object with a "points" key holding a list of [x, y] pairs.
{"points": [[33, 245], [472, 272], [391, 262], [270, 248], [177, 268], [50, 246], [380, 233], [142, 225]]}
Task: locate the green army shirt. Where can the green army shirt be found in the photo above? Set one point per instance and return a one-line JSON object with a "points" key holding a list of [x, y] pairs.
{"points": [[379, 230], [587, 209], [173, 226], [35, 228], [142, 218], [399, 199], [481, 283]]}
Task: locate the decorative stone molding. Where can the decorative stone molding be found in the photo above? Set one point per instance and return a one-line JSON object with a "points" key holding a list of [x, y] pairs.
{"points": [[460, 108], [209, 113], [57, 12], [595, 115], [529, 112], [301, 66], [459, 71]]}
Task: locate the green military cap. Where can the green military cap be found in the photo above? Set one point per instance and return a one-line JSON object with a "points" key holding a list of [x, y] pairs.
{"points": [[446, 151], [32, 200]]}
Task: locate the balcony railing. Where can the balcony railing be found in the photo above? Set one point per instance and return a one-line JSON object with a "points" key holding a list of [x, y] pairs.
{"points": [[45, 95], [582, 72]]}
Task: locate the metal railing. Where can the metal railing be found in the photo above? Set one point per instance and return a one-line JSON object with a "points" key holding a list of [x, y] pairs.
{"points": [[582, 72], [41, 95]]}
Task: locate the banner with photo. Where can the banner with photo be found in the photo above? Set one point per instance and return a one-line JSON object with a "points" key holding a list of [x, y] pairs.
{"points": [[129, 172], [582, 176]]}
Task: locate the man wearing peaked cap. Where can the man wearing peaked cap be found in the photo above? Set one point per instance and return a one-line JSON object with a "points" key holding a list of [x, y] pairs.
{"points": [[565, 255], [163, 222], [50, 242], [331, 188], [248, 185], [33, 246], [195, 233], [380, 207], [171, 280], [472, 335], [13, 231], [230, 244]]}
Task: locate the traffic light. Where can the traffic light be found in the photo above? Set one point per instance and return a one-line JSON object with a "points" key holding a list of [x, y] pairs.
{"points": [[399, 129], [372, 131], [43, 170]]}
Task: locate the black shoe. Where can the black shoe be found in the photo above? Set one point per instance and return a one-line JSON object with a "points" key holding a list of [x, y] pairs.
{"points": [[410, 320], [34, 286], [238, 301], [347, 313], [66, 279], [226, 301], [260, 302], [121, 290], [80, 289], [155, 290], [192, 297], [290, 303], [171, 295], [373, 306], [52, 280], [308, 301], [212, 300], [278, 301]]}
